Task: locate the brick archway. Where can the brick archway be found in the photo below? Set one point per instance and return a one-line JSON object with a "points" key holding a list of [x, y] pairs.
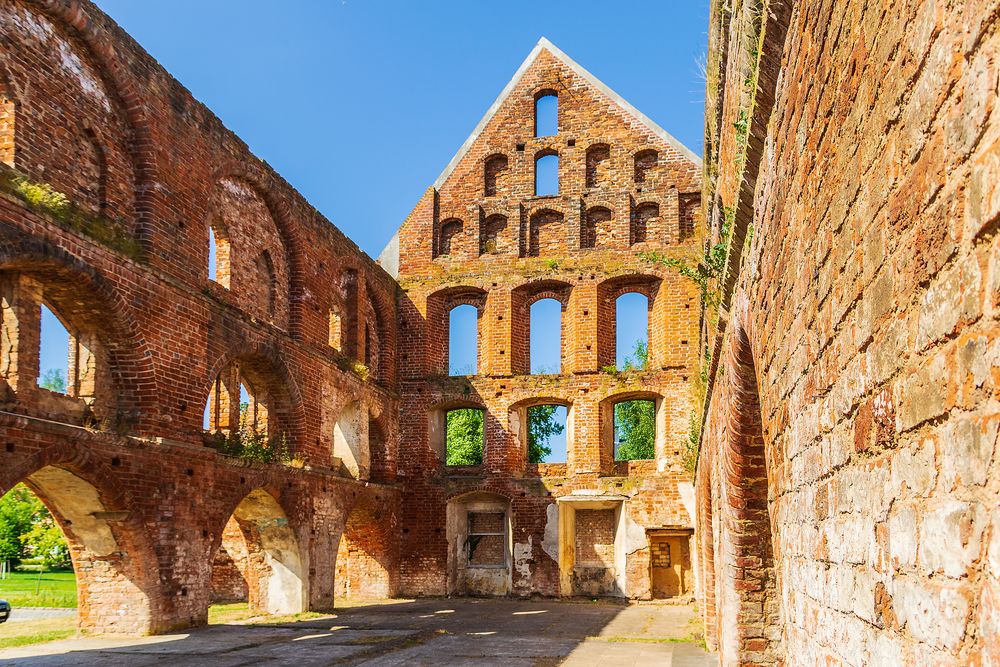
{"points": [[112, 557]]}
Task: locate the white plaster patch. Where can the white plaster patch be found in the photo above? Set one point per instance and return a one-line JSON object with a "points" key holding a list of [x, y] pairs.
{"points": [[72, 64], [522, 558], [550, 539], [236, 188], [31, 24], [686, 491], [634, 537]]}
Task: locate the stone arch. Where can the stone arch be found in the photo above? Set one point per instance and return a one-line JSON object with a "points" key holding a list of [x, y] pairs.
{"points": [[522, 298], [367, 555], [115, 564], [746, 519], [259, 544], [439, 305], [33, 271], [479, 532]]}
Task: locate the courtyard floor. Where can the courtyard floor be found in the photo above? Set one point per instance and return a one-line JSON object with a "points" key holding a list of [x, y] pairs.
{"points": [[422, 632]]}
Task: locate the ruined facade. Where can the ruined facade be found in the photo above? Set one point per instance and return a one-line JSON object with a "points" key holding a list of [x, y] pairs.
{"points": [[847, 481], [484, 235]]}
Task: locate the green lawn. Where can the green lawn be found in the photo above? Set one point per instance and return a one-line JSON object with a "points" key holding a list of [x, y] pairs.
{"points": [[52, 589], [23, 633]]}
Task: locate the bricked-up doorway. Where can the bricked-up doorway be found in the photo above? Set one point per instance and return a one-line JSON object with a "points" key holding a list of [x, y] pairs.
{"points": [[592, 547], [107, 547], [259, 547], [670, 563], [479, 544]]}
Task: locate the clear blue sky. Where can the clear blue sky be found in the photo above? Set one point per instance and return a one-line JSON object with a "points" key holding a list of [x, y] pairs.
{"points": [[360, 104]]}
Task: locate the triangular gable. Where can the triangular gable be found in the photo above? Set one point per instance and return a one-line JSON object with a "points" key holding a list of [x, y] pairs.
{"points": [[545, 44]]}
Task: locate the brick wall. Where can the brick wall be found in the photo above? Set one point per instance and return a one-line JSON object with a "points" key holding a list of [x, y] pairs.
{"points": [[848, 478], [506, 249]]}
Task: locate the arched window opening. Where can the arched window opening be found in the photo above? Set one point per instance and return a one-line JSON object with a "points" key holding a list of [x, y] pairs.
{"points": [[464, 436], [55, 350], [596, 228], [493, 169], [645, 162], [246, 409], [546, 114], [635, 430], [547, 174], [632, 331], [253, 409], [642, 220], [219, 258], [598, 161], [492, 230], [450, 230], [34, 549], [8, 118], [547, 435], [545, 337], [463, 340]]}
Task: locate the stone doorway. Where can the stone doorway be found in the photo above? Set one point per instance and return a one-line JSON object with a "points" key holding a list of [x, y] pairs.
{"points": [[670, 564]]}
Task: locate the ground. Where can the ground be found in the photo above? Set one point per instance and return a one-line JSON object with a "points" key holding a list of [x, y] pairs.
{"points": [[33, 589], [425, 632]]}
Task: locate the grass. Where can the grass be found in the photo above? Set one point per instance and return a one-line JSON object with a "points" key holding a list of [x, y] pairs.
{"points": [[22, 633], [27, 589]]}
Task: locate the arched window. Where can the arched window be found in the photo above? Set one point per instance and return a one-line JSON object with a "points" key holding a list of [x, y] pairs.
{"points": [[490, 234], [645, 162], [641, 222], [55, 350], [450, 229], [635, 429], [219, 258], [595, 229], [632, 331], [463, 340], [547, 436], [545, 347], [598, 158], [464, 436], [546, 114], [546, 174], [493, 168]]}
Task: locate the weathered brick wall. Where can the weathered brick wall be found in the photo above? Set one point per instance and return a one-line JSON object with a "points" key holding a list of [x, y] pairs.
{"points": [[848, 478], [146, 171], [481, 237]]}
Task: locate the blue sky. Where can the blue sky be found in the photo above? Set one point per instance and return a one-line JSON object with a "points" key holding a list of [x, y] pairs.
{"points": [[360, 104]]}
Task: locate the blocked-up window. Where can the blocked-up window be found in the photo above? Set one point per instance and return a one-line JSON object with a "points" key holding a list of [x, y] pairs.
{"points": [[598, 160], [493, 168], [450, 230], [595, 537], [487, 539], [645, 162], [642, 221]]}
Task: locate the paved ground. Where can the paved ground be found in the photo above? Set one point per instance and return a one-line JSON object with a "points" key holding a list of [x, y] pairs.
{"points": [[37, 613], [425, 632]]}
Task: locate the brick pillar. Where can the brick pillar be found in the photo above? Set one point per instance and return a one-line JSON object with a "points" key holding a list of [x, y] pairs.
{"points": [[581, 332], [20, 334]]}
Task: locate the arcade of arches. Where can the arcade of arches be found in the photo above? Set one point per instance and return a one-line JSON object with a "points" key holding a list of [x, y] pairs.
{"points": [[253, 409]]}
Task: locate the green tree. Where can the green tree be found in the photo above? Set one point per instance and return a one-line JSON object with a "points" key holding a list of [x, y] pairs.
{"points": [[635, 421], [464, 437], [542, 426], [53, 380], [47, 541]]}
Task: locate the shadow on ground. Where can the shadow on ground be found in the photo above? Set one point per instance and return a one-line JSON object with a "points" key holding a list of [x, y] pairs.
{"points": [[423, 632]]}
